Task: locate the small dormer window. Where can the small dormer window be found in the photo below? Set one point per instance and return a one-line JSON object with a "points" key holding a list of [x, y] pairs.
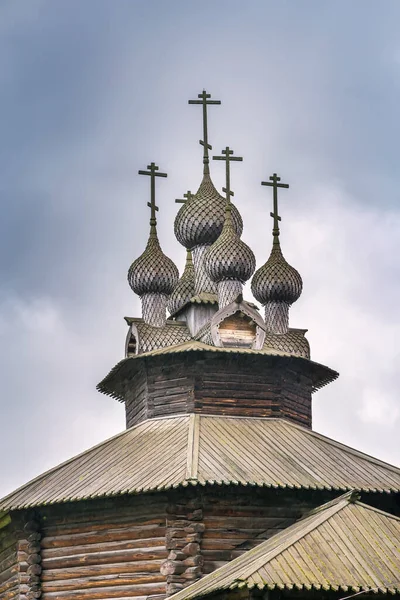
{"points": [[238, 325]]}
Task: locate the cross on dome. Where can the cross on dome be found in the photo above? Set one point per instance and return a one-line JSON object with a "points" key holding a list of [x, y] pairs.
{"points": [[274, 183], [185, 198], [152, 172], [205, 100], [228, 158]]}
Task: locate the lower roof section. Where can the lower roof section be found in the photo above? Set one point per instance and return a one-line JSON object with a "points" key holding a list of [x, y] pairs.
{"points": [[164, 453], [343, 545]]}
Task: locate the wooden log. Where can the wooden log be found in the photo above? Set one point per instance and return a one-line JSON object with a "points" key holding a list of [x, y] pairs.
{"points": [[194, 561], [138, 532], [111, 521], [34, 569], [115, 592], [191, 549], [140, 544], [102, 581], [174, 534], [100, 558], [172, 567], [115, 569]]}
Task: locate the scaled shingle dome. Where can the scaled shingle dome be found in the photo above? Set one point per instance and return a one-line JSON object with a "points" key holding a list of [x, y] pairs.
{"points": [[184, 290], [201, 219], [153, 272], [276, 280], [229, 257]]}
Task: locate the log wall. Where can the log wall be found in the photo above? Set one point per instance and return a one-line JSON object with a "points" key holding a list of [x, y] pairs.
{"points": [[238, 519], [136, 404], [104, 549], [184, 535], [227, 385], [9, 571], [139, 547]]}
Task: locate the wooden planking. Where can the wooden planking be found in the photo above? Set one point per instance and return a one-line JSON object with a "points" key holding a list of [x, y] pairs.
{"points": [[104, 549], [237, 331]]}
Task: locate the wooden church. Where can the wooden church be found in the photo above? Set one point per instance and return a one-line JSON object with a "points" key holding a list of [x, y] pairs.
{"points": [[218, 487]]}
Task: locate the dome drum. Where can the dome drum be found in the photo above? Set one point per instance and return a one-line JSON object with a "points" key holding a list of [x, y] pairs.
{"points": [[277, 317], [154, 309], [202, 282], [228, 291]]}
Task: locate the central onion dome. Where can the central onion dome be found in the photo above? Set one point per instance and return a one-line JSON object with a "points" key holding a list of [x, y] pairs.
{"points": [[229, 262], [184, 290], [153, 272], [229, 257], [200, 220], [276, 280]]}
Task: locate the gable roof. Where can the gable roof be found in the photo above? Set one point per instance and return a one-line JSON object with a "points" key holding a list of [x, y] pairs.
{"points": [[342, 545], [204, 449]]}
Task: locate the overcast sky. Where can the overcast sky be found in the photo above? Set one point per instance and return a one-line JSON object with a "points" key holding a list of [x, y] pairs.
{"points": [[91, 91]]}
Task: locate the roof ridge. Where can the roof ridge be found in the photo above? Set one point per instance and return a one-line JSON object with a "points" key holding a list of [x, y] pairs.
{"points": [[192, 467], [377, 510], [351, 496]]}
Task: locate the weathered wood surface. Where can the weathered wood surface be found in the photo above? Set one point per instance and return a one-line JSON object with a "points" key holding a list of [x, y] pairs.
{"points": [[238, 386], [185, 529], [104, 549], [237, 520], [9, 568], [237, 331]]}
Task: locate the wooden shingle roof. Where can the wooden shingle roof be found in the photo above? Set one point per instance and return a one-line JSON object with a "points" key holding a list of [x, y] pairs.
{"points": [[343, 545], [202, 449], [113, 384]]}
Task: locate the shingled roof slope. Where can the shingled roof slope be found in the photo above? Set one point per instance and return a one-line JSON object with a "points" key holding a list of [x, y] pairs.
{"points": [[203, 449], [343, 545]]}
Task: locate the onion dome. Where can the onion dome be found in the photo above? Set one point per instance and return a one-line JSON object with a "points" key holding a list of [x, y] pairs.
{"points": [[229, 257], [184, 290], [276, 280], [201, 219], [153, 272]]}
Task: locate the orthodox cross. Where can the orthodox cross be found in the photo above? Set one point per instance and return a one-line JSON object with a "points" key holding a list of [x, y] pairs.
{"points": [[227, 157], [185, 198], [152, 204], [205, 101], [274, 183]]}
